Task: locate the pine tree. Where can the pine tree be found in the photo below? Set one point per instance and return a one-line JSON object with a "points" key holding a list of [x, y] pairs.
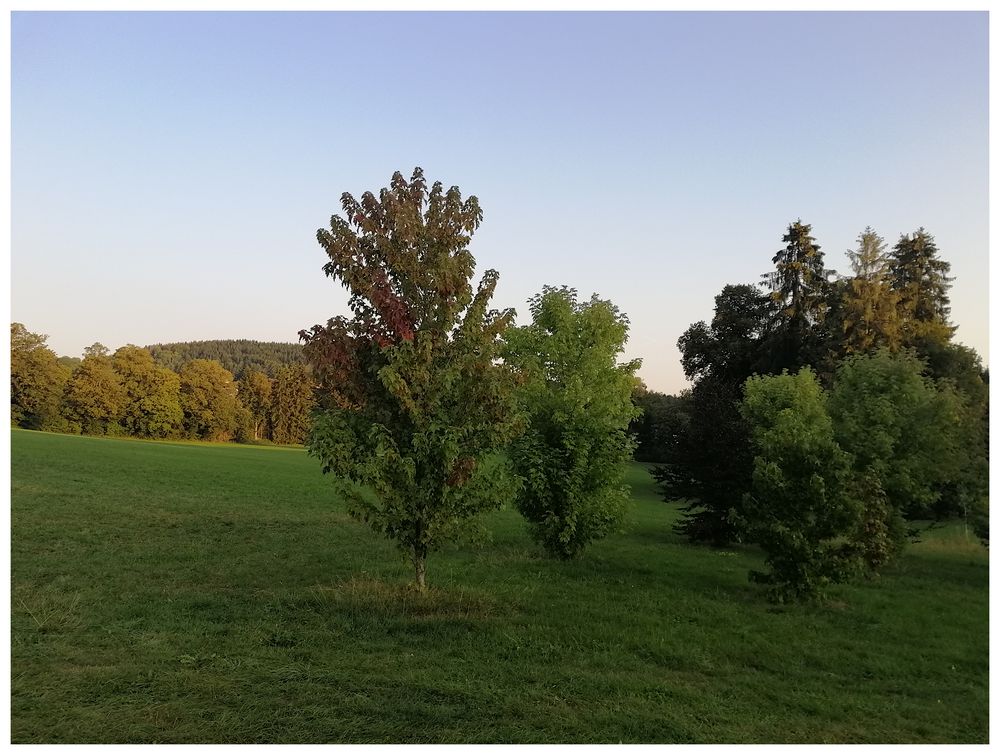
{"points": [[869, 314], [920, 279], [799, 287]]}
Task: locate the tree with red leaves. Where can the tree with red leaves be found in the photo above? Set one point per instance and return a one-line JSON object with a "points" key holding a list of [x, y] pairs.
{"points": [[414, 401]]}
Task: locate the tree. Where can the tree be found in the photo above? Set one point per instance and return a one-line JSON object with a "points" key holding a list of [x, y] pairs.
{"points": [[414, 405], [291, 404], [732, 348], [799, 508], [577, 401], [208, 400], [94, 399], [152, 393], [36, 380], [870, 305], [903, 429], [920, 279], [707, 462], [254, 392], [800, 290], [655, 429]]}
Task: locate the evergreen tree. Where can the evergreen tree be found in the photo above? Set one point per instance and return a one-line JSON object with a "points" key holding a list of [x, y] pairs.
{"points": [[920, 279], [800, 290], [870, 315]]}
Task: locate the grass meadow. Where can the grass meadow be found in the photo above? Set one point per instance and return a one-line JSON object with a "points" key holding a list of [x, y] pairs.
{"points": [[173, 592]]}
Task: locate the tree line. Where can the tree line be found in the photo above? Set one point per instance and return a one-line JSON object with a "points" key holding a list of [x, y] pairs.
{"points": [[239, 356], [128, 393]]}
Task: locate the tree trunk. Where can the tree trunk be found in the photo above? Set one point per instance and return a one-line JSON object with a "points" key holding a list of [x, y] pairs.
{"points": [[420, 567]]}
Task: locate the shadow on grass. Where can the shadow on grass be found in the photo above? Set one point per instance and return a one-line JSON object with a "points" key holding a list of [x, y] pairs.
{"points": [[366, 599]]}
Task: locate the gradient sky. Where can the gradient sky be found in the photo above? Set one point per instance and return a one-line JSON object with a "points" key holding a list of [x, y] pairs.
{"points": [[169, 171]]}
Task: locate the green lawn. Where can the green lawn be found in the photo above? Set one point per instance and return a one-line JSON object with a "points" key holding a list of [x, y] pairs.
{"points": [[190, 593]]}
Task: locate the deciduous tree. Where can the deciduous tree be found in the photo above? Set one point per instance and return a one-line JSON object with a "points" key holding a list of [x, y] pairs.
{"points": [[208, 400], [94, 399], [254, 392], [576, 398], [414, 404], [36, 380], [152, 394], [800, 508]]}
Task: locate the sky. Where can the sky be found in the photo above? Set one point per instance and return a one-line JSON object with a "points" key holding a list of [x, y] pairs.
{"points": [[170, 170]]}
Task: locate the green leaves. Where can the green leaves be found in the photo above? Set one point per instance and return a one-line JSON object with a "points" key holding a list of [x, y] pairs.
{"points": [[413, 401], [576, 400], [799, 507]]}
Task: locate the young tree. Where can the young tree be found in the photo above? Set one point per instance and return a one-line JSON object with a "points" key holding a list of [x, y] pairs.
{"points": [[152, 394], [291, 404], [208, 400], [799, 508], [870, 315], [36, 380], [414, 405], [577, 401], [254, 392], [920, 279], [94, 398]]}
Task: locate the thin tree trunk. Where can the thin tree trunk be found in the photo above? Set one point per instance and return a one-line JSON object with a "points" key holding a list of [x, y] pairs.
{"points": [[420, 568]]}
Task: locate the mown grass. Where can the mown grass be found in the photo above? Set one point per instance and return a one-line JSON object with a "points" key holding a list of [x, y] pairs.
{"points": [[184, 593]]}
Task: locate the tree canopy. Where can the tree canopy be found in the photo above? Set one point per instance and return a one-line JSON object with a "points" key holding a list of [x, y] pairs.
{"points": [[413, 404]]}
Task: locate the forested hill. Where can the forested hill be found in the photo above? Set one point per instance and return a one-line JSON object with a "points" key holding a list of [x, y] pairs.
{"points": [[237, 356]]}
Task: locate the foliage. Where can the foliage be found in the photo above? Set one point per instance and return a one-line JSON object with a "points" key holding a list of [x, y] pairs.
{"points": [[708, 463], [94, 398], [800, 291], [413, 403], [254, 392], [902, 428], [731, 349], [799, 508], [576, 399], [239, 356], [208, 400], [870, 307], [36, 380], [655, 429], [291, 404], [920, 279], [152, 394]]}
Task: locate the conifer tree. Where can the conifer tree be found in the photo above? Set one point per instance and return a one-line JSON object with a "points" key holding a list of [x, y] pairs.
{"points": [[869, 314], [920, 279]]}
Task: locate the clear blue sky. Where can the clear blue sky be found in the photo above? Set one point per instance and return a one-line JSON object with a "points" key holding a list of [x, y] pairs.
{"points": [[170, 170]]}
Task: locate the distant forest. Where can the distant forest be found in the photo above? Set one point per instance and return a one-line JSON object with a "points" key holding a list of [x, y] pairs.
{"points": [[239, 356]]}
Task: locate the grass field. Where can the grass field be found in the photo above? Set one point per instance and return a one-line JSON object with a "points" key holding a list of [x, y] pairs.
{"points": [[189, 593]]}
